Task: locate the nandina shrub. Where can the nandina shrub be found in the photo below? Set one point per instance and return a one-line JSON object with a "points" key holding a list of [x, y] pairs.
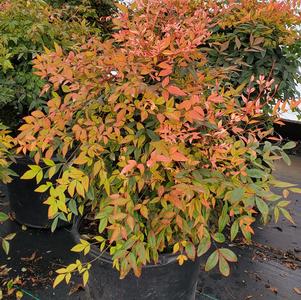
{"points": [[26, 28], [253, 38], [6, 157], [153, 143], [97, 12]]}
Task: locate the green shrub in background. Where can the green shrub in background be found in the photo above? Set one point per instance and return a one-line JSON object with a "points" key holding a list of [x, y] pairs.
{"points": [[258, 41], [94, 11], [26, 27]]}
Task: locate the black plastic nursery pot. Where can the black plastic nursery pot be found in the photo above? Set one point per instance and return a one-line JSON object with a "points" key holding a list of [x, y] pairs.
{"points": [[27, 205], [165, 280]]}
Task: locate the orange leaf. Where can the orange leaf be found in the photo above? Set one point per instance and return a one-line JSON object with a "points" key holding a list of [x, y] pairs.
{"points": [[177, 156], [175, 91]]}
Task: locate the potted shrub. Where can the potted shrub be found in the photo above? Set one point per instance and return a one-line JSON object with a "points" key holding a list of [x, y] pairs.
{"points": [[165, 161]]}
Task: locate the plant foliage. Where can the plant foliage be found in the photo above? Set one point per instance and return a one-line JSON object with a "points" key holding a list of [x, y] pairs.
{"points": [[6, 144], [26, 27], [158, 145], [257, 39]]}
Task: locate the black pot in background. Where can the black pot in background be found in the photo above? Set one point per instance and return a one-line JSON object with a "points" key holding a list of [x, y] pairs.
{"points": [[27, 205], [164, 281]]}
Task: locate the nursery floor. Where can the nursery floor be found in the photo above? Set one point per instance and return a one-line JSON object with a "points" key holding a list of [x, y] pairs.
{"points": [[269, 269]]}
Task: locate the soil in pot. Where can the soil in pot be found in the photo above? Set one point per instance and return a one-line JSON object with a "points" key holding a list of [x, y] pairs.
{"points": [[26, 205], [162, 281]]}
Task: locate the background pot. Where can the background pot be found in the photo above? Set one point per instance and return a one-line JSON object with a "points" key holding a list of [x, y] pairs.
{"points": [[27, 205], [163, 281]]}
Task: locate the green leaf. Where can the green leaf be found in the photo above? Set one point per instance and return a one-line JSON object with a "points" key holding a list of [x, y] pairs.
{"points": [[10, 236], [276, 214], [234, 230], [204, 246], [153, 136], [190, 250], [5, 246], [228, 254], [72, 206], [54, 224], [224, 218], [224, 266], [283, 203], [212, 261], [282, 184], [289, 145], [287, 215], [254, 173], [286, 158], [219, 237], [102, 225], [295, 190], [263, 208], [3, 217], [236, 195]]}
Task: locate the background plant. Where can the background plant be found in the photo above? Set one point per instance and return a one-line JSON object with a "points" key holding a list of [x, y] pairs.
{"points": [[6, 157], [26, 27], [259, 39], [163, 150], [97, 12]]}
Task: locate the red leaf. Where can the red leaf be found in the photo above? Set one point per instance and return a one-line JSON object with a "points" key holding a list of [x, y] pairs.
{"points": [[165, 82], [175, 91], [129, 167], [165, 72], [215, 98]]}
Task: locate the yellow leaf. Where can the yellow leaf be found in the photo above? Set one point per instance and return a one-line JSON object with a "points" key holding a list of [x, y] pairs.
{"points": [[81, 159], [42, 188], [62, 206], [30, 174], [122, 7], [80, 189], [85, 277], [48, 162], [68, 277], [19, 295], [51, 172], [58, 279], [144, 211], [52, 211], [78, 248], [71, 188], [181, 259], [61, 271], [176, 248], [85, 183]]}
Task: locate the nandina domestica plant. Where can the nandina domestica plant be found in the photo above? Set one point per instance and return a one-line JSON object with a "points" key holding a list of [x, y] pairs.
{"points": [[6, 157], [153, 144], [257, 39]]}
